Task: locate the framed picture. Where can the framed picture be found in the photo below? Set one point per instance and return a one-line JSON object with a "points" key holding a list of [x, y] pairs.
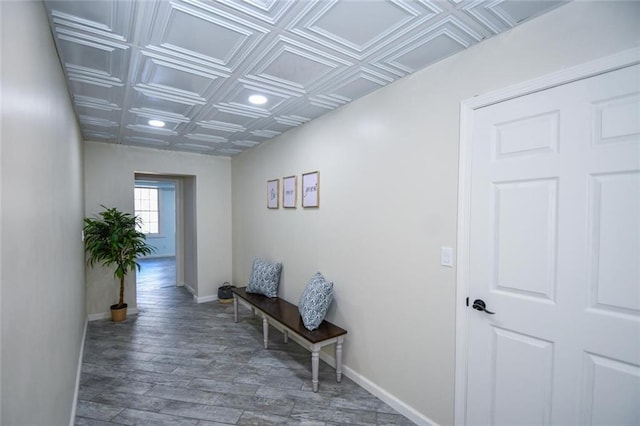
{"points": [[289, 192], [311, 189], [273, 193]]}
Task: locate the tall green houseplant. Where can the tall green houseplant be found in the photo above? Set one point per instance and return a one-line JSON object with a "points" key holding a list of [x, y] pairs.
{"points": [[112, 239]]}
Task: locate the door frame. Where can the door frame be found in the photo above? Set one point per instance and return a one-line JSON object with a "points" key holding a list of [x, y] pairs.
{"points": [[184, 219], [620, 60]]}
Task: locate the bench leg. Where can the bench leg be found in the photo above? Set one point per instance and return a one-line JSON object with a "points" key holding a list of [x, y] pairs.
{"points": [[339, 359], [286, 336], [265, 331], [315, 366], [235, 308]]}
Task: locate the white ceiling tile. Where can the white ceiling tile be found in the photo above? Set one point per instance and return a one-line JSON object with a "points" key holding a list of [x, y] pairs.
{"points": [[90, 55], [91, 121], [229, 151], [146, 142], [433, 43], [439, 47], [164, 103], [171, 76], [292, 120], [267, 134], [270, 11], [245, 143], [358, 84], [219, 127], [138, 121], [109, 18], [239, 97], [288, 64], [194, 63], [497, 16], [516, 11], [214, 131], [203, 137], [95, 111], [219, 45], [96, 91], [378, 24], [295, 67], [303, 111], [201, 148], [375, 21], [93, 135], [202, 35]]}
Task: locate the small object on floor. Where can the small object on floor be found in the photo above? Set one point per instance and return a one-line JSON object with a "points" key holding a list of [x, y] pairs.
{"points": [[225, 295]]}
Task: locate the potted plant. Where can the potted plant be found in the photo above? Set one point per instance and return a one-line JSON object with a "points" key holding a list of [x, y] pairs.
{"points": [[112, 239]]}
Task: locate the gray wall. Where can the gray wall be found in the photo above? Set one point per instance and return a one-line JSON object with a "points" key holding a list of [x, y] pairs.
{"points": [[388, 201], [43, 289]]}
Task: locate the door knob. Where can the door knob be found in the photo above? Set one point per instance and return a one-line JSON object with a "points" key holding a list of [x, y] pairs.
{"points": [[479, 305]]}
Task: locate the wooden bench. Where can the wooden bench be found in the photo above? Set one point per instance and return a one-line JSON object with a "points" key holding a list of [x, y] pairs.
{"points": [[288, 317]]}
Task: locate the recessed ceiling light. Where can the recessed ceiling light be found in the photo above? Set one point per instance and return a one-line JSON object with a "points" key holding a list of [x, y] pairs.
{"points": [[156, 123], [258, 99]]}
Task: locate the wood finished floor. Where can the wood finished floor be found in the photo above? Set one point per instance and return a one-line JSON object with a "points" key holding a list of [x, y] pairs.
{"points": [[182, 363]]}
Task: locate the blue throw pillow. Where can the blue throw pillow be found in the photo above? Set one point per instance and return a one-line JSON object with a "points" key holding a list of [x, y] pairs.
{"points": [[265, 278], [315, 301]]}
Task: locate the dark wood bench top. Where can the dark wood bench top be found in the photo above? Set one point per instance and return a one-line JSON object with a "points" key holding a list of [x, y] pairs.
{"points": [[289, 315]]}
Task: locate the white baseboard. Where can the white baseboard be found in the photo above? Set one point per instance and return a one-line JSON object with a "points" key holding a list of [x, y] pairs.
{"points": [[191, 290], [107, 315], [203, 299], [76, 391], [391, 400], [200, 299]]}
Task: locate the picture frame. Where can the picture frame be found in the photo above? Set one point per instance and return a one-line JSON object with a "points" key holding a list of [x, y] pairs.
{"points": [[311, 189], [273, 194], [289, 192]]}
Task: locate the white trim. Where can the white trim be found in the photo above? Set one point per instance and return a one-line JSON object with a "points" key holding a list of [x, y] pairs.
{"points": [[204, 299], [196, 298], [158, 234], [391, 400], [614, 62], [380, 393], [622, 59], [191, 290], [76, 391], [107, 315]]}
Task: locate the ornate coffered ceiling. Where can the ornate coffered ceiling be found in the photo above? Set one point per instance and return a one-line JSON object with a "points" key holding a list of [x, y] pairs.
{"points": [[193, 63]]}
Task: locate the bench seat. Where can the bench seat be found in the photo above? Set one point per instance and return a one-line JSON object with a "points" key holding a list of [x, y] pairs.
{"points": [[286, 314]]}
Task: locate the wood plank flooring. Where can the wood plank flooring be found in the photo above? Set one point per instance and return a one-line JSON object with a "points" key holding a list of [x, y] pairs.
{"points": [[182, 363]]}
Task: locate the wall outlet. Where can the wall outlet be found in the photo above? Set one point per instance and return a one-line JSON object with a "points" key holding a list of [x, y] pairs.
{"points": [[446, 256]]}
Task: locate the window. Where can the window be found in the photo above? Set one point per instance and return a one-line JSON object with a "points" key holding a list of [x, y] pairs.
{"points": [[146, 207]]}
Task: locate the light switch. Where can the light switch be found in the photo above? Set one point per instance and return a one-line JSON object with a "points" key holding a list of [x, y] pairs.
{"points": [[446, 256]]}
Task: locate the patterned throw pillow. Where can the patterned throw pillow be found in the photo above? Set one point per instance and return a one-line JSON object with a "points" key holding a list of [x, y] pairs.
{"points": [[315, 301], [265, 278]]}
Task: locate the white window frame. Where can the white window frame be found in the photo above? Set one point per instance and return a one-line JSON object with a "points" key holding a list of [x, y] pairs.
{"points": [[157, 210]]}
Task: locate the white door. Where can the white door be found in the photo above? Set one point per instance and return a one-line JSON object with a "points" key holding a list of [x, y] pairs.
{"points": [[554, 251]]}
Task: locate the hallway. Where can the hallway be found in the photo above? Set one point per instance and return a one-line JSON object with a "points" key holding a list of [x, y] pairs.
{"points": [[182, 363], [155, 273]]}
